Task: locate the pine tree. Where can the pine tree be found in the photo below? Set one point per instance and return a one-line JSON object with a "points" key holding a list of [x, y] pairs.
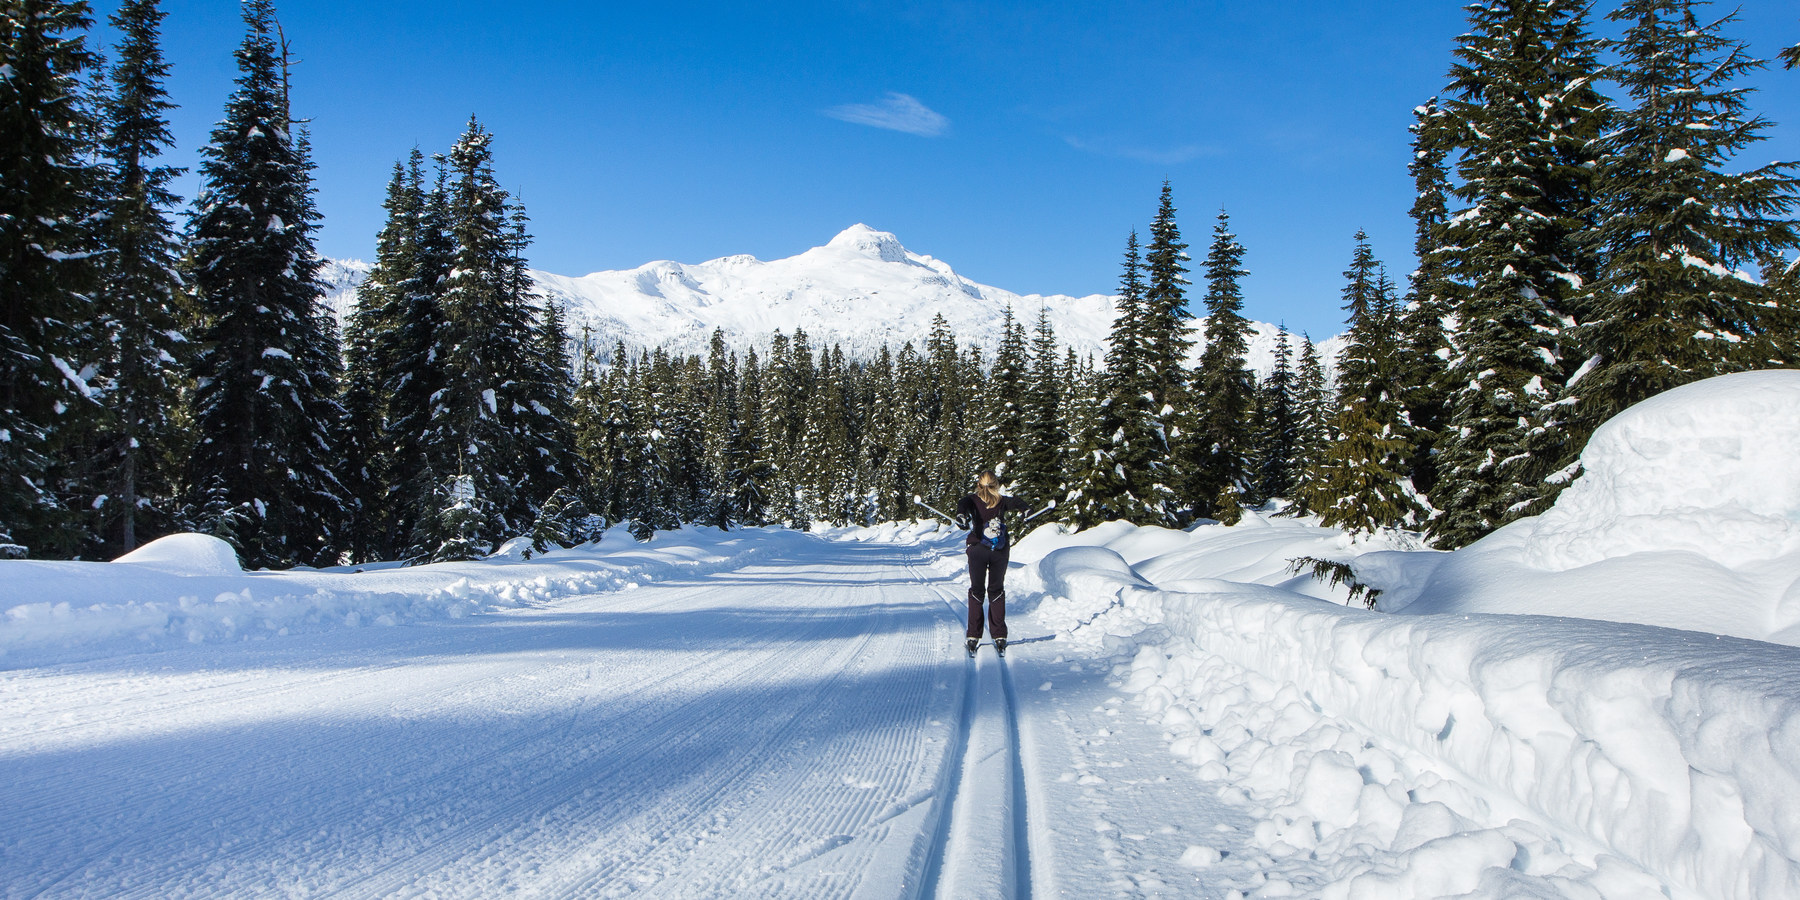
{"points": [[1672, 305], [1164, 321], [1039, 469], [1220, 440], [1121, 470], [1524, 122], [1424, 348], [268, 368], [1005, 406], [48, 187], [1313, 410], [1359, 481], [139, 294], [499, 416], [1278, 430]]}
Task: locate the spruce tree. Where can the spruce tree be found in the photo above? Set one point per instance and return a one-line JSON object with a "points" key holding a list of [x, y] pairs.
{"points": [[1039, 469], [1278, 432], [495, 418], [48, 347], [1220, 439], [1359, 481], [1314, 407], [1121, 469], [1165, 325], [1424, 348], [139, 294], [268, 366], [1672, 304], [1524, 120], [1005, 406]]}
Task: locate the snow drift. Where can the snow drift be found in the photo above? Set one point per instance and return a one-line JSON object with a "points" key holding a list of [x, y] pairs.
{"points": [[189, 589], [1686, 515], [1657, 761]]}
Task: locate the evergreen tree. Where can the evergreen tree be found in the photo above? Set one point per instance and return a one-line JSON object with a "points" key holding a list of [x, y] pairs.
{"points": [[1525, 118], [1005, 406], [268, 367], [1121, 469], [1359, 481], [1430, 298], [48, 347], [1039, 466], [139, 293], [1220, 440], [1164, 321], [1278, 431], [1672, 305], [499, 416], [1313, 407]]}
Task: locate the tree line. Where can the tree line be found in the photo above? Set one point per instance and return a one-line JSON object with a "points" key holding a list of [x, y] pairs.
{"points": [[1582, 242]]}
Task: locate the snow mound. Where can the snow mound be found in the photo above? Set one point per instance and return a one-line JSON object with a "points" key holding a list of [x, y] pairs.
{"points": [[1687, 515], [186, 554], [1712, 467]]}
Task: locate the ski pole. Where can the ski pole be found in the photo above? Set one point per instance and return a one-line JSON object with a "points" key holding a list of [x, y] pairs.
{"points": [[940, 513], [1048, 507]]}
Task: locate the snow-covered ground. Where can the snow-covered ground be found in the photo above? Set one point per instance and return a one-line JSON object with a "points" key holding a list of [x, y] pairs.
{"points": [[764, 713]]}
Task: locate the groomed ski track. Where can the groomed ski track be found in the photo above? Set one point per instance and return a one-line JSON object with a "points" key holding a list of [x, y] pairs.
{"points": [[804, 727]]}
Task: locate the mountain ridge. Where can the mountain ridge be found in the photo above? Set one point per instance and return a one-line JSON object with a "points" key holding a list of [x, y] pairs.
{"points": [[861, 291]]}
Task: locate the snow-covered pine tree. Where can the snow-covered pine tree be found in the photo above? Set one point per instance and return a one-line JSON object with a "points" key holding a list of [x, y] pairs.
{"points": [[543, 388], [1038, 469], [721, 434], [1314, 405], [267, 372], [491, 420], [139, 294], [1524, 120], [1359, 482], [1278, 425], [1164, 323], [1672, 304], [1121, 468], [1005, 404], [751, 491], [1424, 348], [48, 188], [1220, 440]]}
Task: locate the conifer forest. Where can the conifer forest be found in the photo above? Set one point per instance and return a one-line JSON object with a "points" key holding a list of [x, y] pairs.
{"points": [[1587, 235]]}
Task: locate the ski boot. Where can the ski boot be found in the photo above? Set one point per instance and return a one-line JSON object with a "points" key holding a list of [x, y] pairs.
{"points": [[1000, 646], [972, 643]]}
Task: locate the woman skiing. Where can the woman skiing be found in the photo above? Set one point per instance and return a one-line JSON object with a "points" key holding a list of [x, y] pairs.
{"points": [[985, 512]]}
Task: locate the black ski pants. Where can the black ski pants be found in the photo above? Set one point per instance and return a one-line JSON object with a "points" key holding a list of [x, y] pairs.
{"points": [[987, 569]]}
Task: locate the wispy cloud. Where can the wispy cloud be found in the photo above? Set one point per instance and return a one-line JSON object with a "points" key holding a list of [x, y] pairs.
{"points": [[899, 112], [1162, 156]]}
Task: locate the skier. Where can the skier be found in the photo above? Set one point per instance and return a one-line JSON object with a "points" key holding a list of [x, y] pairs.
{"points": [[985, 512]]}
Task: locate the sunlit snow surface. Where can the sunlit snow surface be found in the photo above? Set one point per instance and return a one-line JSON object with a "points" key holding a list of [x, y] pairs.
{"points": [[761, 713]]}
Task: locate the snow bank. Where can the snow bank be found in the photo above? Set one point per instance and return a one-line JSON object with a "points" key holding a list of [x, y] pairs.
{"points": [[189, 588], [185, 554], [1686, 515], [1423, 756]]}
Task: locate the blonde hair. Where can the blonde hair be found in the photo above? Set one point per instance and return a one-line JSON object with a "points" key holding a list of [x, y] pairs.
{"points": [[987, 488]]}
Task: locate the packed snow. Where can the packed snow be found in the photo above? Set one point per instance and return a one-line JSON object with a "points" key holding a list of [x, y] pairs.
{"points": [[862, 290], [775, 714]]}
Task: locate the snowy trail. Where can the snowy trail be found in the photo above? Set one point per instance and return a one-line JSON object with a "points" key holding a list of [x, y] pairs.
{"points": [[805, 727]]}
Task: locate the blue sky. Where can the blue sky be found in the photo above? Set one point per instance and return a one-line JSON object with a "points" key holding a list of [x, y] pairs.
{"points": [[1020, 142]]}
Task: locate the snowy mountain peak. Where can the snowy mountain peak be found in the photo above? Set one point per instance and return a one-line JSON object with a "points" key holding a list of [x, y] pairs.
{"points": [[862, 240], [861, 291]]}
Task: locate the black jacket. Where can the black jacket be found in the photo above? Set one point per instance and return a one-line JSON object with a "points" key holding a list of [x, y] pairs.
{"points": [[968, 509]]}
